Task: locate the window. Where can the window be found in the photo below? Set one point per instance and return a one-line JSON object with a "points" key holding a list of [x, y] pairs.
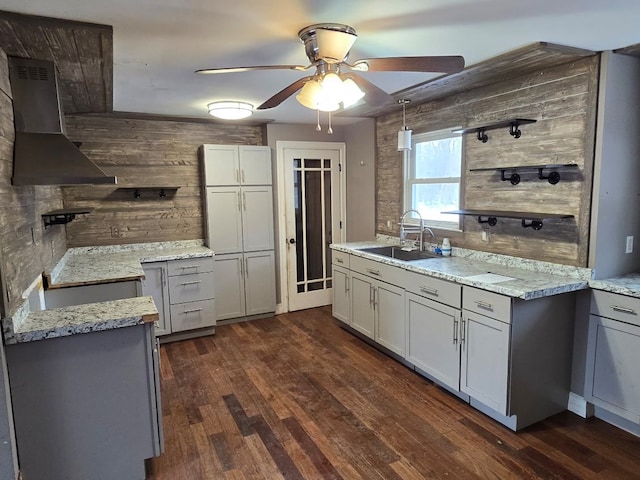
{"points": [[432, 177]]}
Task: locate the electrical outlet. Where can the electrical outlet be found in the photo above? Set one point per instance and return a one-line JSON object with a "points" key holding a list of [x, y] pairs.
{"points": [[115, 232], [629, 248], [389, 224], [484, 236]]}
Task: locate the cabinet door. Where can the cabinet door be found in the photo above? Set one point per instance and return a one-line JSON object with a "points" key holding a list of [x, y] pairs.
{"points": [[155, 285], [221, 165], [257, 218], [613, 356], [485, 360], [433, 340], [224, 219], [255, 165], [362, 312], [341, 280], [229, 278], [260, 282], [388, 303]]}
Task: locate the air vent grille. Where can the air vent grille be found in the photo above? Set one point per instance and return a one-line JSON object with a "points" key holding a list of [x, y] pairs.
{"points": [[32, 73]]}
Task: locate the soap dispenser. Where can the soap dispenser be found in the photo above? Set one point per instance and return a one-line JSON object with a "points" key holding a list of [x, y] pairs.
{"points": [[446, 247]]}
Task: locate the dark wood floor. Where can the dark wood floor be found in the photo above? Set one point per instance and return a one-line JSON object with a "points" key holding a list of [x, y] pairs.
{"points": [[296, 397]]}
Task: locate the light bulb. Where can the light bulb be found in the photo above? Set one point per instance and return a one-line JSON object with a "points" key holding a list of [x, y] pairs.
{"points": [[351, 93]]}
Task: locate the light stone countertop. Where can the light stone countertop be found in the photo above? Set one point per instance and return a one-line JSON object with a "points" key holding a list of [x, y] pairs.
{"points": [[90, 317], [94, 265], [628, 285], [531, 279], [91, 266]]}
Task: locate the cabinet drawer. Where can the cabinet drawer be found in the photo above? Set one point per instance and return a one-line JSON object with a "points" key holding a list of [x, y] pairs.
{"points": [[434, 289], [191, 288], [188, 316], [377, 270], [486, 303], [340, 259], [190, 266], [619, 307]]}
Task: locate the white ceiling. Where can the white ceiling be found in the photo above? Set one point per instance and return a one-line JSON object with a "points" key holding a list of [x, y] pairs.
{"points": [[159, 43]]}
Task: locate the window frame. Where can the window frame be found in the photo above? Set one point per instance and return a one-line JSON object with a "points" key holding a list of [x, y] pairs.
{"points": [[409, 177]]}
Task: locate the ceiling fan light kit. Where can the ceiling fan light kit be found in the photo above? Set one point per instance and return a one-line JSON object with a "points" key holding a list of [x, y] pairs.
{"points": [[228, 110]]}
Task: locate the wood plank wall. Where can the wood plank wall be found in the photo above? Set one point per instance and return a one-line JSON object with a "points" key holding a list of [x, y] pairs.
{"points": [[26, 249], [144, 153], [563, 101]]}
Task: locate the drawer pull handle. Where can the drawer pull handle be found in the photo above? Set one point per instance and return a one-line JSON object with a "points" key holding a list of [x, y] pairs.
{"points": [[455, 331], [186, 267], [373, 272], [430, 291], [192, 311], [339, 260], [485, 305], [623, 310], [462, 331], [191, 283]]}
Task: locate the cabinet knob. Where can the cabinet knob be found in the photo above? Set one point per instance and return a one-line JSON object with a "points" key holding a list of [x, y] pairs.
{"points": [[292, 241]]}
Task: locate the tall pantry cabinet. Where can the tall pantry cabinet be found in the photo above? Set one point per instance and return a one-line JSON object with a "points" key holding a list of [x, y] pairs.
{"points": [[239, 228]]}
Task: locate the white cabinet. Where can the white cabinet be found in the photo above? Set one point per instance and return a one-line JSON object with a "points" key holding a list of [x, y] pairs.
{"points": [[613, 355], [240, 228], [433, 339], [377, 311], [237, 165], [341, 294], [184, 292]]}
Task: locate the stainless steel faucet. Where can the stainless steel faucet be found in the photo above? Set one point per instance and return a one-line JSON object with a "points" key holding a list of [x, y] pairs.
{"points": [[404, 228]]}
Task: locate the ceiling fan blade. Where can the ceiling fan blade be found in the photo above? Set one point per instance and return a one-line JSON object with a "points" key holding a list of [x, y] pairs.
{"points": [[285, 93], [208, 71], [437, 64], [373, 94]]}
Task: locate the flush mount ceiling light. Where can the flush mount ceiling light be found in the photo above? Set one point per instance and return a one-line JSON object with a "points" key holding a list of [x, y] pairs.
{"points": [[230, 110]]}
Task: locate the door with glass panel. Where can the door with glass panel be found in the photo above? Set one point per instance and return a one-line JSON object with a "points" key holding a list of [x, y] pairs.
{"points": [[312, 211]]}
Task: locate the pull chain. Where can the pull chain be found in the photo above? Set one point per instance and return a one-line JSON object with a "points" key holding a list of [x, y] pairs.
{"points": [[318, 127], [330, 131]]}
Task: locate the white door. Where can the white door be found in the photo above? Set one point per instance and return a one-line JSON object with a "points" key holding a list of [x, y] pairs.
{"points": [[259, 282], [229, 291], [257, 218], [224, 219], [313, 220]]}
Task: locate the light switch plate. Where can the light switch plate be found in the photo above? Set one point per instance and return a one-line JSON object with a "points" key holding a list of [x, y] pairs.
{"points": [[629, 248]]}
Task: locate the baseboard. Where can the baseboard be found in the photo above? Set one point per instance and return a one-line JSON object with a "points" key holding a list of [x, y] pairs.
{"points": [[578, 405]]}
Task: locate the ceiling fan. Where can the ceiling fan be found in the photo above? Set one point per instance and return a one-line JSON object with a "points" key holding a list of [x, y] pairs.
{"points": [[335, 82]]}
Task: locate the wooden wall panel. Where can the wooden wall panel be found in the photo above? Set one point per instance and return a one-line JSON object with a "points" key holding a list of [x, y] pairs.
{"points": [[26, 249], [563, 100], [144, 153]]}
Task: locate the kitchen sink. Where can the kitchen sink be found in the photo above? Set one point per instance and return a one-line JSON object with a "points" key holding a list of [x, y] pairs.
{"points": [[399, 254]]}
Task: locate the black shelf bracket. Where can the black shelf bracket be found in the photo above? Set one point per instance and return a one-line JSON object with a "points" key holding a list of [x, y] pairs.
{"points": [[492, 221], [535, 224], [514, 178], [62, 217], [482, 135], [552, 178], [514, 129]]}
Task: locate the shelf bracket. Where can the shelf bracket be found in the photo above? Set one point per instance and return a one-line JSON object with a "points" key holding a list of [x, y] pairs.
{"points": [[553, 177], [490, 220], [514, 178], [514, 131], [57, 219], [482, 135], [535, 224]]}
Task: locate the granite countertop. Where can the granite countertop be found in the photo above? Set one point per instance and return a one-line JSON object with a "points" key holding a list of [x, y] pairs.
{"points": [[94, 265], [90, 317], [628, 285], [530, 279]]}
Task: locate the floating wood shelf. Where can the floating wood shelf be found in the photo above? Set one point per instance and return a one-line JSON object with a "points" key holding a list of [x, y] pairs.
{"points": [[63, 216], [553, 177], [163, 192], [513, 124], [535, 220]]}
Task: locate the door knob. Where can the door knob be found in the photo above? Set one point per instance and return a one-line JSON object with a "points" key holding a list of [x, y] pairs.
{"points": [[292, 240]]}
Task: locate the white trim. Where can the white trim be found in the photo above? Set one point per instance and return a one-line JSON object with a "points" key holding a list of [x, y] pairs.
{"points": [[579, 405], [281, 237]]}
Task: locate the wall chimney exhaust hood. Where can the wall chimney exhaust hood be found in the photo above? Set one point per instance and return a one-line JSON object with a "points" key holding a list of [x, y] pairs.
{"points": [[43, 155]]}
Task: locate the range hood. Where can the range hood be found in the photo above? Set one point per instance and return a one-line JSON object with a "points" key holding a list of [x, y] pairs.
{"points": [[43, 155]]}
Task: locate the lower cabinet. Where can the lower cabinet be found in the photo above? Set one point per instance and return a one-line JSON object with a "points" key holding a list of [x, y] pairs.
{"points": [[377, 311], [89, 407], [613, 355], [341, 294], [433, 339], [245, 284], [183, 291]]}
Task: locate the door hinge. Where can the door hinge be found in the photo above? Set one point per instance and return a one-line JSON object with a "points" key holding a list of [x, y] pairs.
{"points": [[340, 167], [340, 224]]}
